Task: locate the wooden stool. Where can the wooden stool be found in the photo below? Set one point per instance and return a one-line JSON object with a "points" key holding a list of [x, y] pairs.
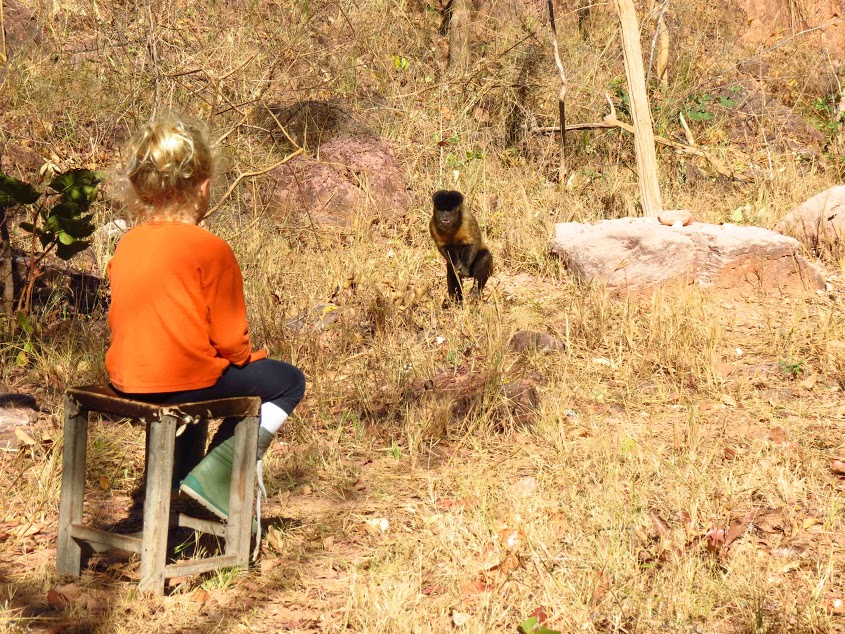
{"points": [[162, 422]]}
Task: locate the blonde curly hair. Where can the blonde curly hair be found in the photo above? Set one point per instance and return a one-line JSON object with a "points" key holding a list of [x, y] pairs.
{"points": [[169, 161]]}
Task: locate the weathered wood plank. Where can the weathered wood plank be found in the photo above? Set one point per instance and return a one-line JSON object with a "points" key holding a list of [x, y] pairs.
{"points": [[196, 566], [128, 543], [204, 526], [243, 489], [160, 447], [102, 398], [69, 552]]}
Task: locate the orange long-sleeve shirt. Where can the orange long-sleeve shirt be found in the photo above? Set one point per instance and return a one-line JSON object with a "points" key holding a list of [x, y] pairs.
{"points": [[177, 314]]}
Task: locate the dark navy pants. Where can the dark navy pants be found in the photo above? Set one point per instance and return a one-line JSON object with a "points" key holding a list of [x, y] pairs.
{"points": [[273, 381]]}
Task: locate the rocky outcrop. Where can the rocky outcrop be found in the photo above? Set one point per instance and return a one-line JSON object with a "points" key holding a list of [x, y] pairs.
{"points": [[350, 176], [633, 254], [20, 27], [530, 341], [819, 222]]}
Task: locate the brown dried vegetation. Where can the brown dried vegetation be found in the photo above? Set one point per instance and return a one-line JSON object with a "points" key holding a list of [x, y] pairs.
{"points": [[670, 463]]}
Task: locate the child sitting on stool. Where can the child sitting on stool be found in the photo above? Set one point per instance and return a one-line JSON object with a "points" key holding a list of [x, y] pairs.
{"points": [[178, 320]]}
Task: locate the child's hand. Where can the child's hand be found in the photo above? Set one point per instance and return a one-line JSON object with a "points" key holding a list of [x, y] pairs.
{"points": [[257, 355]]}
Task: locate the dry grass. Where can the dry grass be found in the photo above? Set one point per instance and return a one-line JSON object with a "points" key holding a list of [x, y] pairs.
{"points": [[688, 407]]}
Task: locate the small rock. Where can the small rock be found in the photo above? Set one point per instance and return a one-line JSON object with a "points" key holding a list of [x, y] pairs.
{"points": [[460, 619], [671, 217], [115, 228], [530, 341], [522, 396]]}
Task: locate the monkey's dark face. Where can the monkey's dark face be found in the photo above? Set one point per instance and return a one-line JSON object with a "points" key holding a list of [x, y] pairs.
{"points": [[448, 207], [448, 219]]}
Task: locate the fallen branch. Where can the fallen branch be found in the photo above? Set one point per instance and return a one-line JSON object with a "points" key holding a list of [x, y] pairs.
{"points": [[249, 175], [610, 122]]}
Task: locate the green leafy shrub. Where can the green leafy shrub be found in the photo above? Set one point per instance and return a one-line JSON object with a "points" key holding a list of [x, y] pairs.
{"points": [[58, 219]]}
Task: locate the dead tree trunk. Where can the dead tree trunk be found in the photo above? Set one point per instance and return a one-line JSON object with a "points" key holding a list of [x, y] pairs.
{"points": [[640, 110], [459, 26]]}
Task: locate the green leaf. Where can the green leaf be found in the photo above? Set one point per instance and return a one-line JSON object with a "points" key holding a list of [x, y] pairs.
{"points": [[532, 626], [77, 227], [24, 323], [67, 251], [65, 238], [66, 210], [53, 224], [78, 186], [14, 192], [30, 228]]}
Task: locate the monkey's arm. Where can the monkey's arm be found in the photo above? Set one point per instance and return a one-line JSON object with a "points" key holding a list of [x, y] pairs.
{"points": [[470, 253], [471, 239], [438, 241]]}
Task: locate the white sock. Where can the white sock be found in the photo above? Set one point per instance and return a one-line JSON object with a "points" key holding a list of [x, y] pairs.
{"points": [[272, 417]]}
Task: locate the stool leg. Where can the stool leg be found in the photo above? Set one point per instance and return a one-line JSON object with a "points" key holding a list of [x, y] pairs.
{"points": [[69, 552], [242, 495], [161, 440]]}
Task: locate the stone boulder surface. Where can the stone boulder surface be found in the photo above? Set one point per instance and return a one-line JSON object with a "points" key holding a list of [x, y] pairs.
{"points": [[633, 254], [20, 27], [17, 412], [350, 176], [819, 222]]}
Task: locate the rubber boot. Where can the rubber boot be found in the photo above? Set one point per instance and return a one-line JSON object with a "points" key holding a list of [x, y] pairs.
{"points": [[210, 482], [265, 437]]}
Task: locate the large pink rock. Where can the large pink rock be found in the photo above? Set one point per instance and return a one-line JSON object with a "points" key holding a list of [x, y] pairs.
{"points": [[20, 27], [819, 222], [351, 176], [639, 253]]}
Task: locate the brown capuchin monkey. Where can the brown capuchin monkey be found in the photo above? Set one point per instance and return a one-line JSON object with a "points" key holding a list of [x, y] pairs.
{"points": [[457, 236]]}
